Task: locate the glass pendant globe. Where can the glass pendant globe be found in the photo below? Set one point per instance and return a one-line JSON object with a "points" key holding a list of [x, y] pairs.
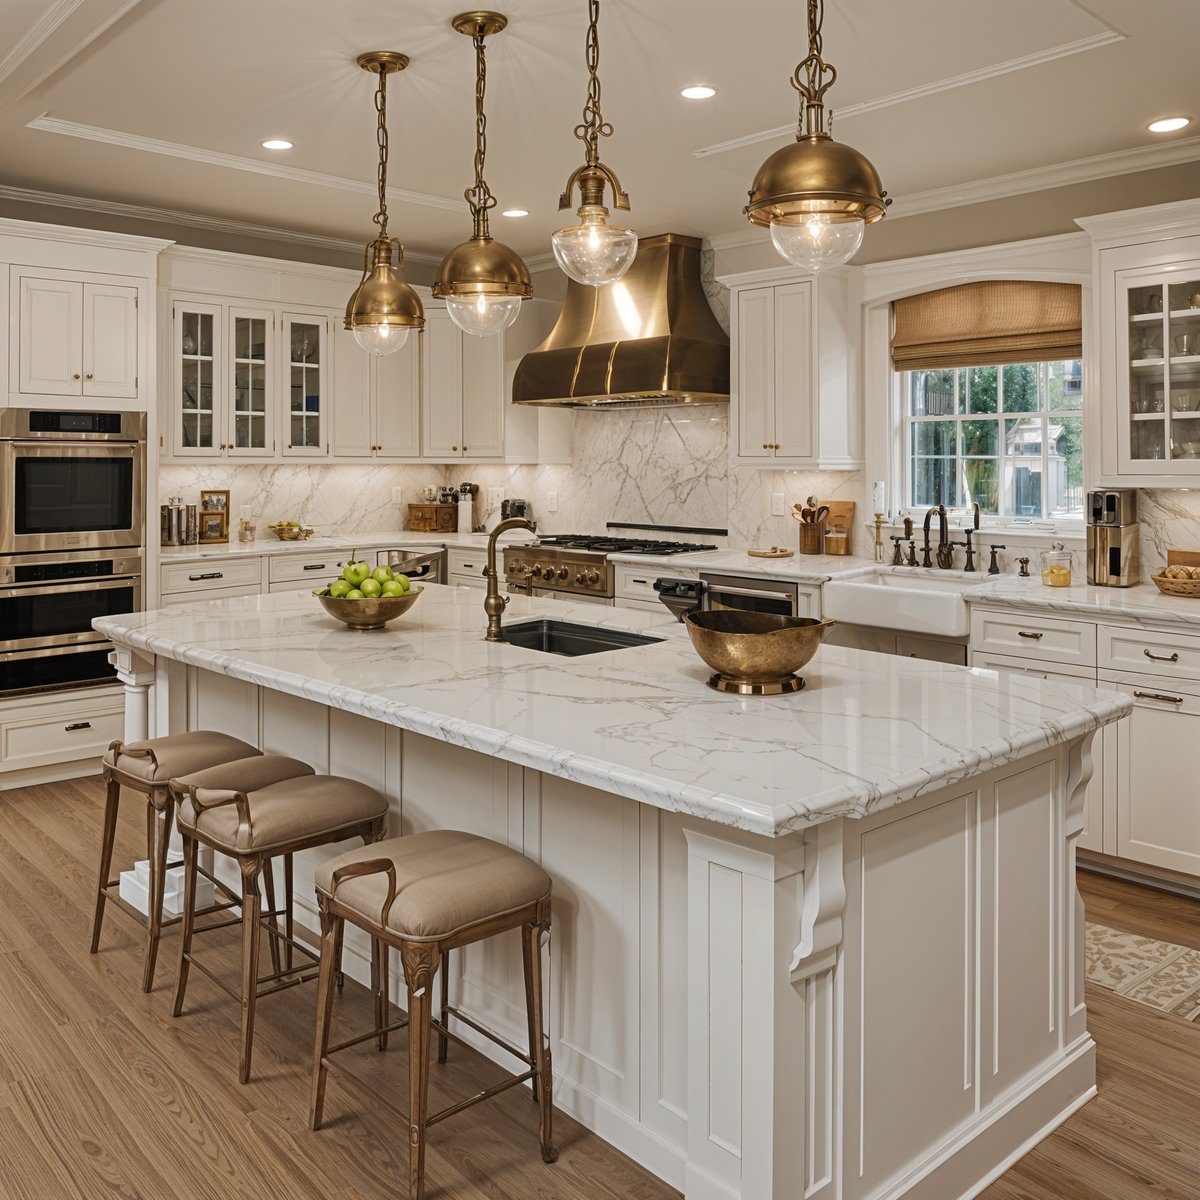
{"points": [[594, 252], [817, 240], [482, 315], [381, 339]]}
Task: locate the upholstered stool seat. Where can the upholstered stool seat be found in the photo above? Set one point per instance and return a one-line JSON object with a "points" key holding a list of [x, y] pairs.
{"points": [[147, 767], [426, 895], [257, 809]]}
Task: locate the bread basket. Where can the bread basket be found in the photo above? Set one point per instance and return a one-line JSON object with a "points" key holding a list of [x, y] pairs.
{"points": [[1177, 587]]}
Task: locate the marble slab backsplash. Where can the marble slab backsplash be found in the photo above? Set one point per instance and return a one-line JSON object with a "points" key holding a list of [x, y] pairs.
{"points": [[1170, 520]]}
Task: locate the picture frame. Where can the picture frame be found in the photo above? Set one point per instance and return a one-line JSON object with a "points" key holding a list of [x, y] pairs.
{"points": [[215, 501], [214, 526]]}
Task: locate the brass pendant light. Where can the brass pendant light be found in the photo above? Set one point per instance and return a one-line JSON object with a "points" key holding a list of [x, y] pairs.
{"points": [[383, 307], [594, 252], [817, 195], [482, 281]]}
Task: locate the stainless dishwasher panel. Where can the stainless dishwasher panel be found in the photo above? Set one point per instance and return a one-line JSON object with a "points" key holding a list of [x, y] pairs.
{"points": [[421, 566], [750, 595]]}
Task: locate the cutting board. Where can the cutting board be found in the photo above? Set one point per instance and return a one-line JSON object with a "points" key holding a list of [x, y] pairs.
{"points": [[1183, 558], [841, 516]]}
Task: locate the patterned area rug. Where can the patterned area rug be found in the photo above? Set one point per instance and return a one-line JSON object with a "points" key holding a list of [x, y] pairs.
{"points": [[1157, 974]]}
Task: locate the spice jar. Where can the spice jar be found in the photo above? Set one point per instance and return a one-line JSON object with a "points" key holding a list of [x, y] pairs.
{"points": [[1056, 566]]}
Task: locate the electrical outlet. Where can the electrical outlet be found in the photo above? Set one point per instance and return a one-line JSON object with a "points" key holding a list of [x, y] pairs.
{"points": [[552, 502], [494, 496], [397, 495], [777, 509]]}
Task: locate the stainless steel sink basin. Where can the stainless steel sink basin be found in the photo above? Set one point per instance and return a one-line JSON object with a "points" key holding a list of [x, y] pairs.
{"points": [[571, 640]]}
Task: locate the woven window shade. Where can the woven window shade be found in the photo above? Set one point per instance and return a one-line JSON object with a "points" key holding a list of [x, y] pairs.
{"points": [[987, 324]]}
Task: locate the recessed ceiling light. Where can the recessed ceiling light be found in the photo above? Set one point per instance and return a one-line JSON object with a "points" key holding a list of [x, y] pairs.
{"points": [[699, 92], [515, 212], [1169, 124], [277, 144]]}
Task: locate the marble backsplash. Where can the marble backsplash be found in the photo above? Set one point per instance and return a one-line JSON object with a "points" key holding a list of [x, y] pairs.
{"points": [[1170, 520]]}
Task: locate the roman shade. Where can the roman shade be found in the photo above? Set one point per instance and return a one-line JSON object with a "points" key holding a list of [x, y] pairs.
{"points": [[989, 323]]}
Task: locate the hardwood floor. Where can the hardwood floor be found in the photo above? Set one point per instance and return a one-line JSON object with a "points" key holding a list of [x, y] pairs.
{"points": [[102, 1093]]}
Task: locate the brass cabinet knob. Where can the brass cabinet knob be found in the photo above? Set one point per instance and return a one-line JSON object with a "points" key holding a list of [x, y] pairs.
{"points": [[76, 375], [89, 375], [465, 448], [454, 448]]}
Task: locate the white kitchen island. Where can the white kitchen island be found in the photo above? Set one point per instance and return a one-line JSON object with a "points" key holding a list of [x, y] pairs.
{"points": [[812, 946]]}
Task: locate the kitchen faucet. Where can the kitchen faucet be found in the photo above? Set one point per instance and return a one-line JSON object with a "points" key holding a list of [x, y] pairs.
{"points": [[494, 604], [943, 535]]}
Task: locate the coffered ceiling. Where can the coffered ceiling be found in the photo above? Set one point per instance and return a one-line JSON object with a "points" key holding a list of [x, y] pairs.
{"points": [[165, 103]]}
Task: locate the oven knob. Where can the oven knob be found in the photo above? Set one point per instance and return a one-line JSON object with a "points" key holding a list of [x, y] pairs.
{"points": [[593, 577], [564, 573], [536, 569], [548, 574], [579, 578]]}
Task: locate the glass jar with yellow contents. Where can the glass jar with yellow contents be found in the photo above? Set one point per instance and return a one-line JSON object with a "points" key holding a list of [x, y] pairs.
{"points": [[1056, 566]]}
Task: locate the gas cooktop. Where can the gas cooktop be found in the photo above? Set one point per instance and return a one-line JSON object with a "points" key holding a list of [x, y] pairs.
{"points": [[607, 544]]}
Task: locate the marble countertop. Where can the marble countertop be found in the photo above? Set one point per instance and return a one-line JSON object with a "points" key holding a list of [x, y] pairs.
{"points": [[1142, 603], [800, 568], [641, 724]]}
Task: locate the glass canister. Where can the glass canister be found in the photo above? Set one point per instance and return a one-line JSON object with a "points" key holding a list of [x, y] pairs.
{"points": [[1056, 566]]}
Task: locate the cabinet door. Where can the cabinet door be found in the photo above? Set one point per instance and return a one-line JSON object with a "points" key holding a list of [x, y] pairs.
{"points": [[397, 401], [110, 341], [353, 432], [250, 383], [795, 371], [756, 373], [1158, 807], [483, 396], [441, 387], [50, 342], [305, 386], [197, 400]]}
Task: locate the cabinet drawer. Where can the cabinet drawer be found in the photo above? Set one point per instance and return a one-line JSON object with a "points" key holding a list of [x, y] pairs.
{"points": [[466, 562], [170, 599], [1032, 635], [211, 573], [73, 732], [1033, 668], [638, 582], [1150, 652], [286, 568]]}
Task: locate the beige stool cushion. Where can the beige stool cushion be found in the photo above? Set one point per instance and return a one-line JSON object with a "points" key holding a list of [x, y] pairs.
{"points": [[294, 806], [159, 760], [446, 881]]}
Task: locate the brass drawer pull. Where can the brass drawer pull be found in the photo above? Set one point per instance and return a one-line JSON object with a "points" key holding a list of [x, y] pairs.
{"points": [[206, 575], [77, 725], [314, 566], [1159, 696], [1033, 637], [1171, 658]]}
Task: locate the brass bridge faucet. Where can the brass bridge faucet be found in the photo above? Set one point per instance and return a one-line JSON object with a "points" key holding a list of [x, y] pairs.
{"points": [[494, 604]]}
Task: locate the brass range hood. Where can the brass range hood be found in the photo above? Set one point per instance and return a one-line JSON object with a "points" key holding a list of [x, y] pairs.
{"points": [[647, 339]]}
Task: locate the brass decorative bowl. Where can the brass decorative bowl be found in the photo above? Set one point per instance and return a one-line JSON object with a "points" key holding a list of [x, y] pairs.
{"points": [[371, 612], [292, 533], [754, 654]]}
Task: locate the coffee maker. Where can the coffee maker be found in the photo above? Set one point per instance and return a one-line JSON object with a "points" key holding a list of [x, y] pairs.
{"points": [[1113, 538], [514, 508]]}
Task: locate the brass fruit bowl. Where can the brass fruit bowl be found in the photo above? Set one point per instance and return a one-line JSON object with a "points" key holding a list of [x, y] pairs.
{"points": [[371, 612], [754, 654], [292, 533]]}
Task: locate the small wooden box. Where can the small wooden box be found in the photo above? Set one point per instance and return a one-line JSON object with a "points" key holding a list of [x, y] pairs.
{"points": [[433, 518]]}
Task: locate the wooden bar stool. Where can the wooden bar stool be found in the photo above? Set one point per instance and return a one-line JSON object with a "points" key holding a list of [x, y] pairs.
{"points": [[425, 895], [148, 767], [256, 810]]}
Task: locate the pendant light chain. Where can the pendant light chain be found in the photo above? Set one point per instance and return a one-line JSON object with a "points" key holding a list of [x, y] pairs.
{"points": [[813, 77], [479, 196], [594, 126], [381, 137]]}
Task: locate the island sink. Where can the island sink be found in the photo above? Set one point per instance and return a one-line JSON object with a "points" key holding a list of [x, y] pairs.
{"points": [[571, 640]]}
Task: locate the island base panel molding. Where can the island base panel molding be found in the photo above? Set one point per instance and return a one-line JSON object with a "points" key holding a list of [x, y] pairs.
{"points": [[865, 1009]]}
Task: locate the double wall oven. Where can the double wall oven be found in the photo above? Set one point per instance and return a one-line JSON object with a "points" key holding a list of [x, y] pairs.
{"points": [[72, 514]]}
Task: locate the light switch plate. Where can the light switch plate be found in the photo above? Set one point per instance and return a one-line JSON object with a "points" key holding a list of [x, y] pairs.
{"points": [[552, 502], [777, 509], [398, 495]]}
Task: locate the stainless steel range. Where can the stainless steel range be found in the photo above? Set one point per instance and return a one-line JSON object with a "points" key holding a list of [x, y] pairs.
{"points": [[577, 566]]}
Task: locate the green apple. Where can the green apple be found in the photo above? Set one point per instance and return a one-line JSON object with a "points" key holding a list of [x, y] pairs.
{"points": [[404, 582], [356, 571], [393, 588], [370, 587], [353, 594], [382, 574], [339, 587]]}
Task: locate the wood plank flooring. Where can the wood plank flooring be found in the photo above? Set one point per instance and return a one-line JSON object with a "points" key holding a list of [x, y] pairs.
{"points": [[103, 1094]]}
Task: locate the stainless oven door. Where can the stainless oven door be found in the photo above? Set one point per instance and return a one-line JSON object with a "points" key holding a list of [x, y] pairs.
{"points": [[63, 495], [750, 595], [55, 668], [61, 614]]}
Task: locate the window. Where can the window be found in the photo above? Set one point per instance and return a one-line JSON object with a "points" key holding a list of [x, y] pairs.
{"points": [[1008, 438]]}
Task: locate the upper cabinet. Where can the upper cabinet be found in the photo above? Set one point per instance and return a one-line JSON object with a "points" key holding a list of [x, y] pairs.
{"points": [[795, 398], [308, 376], [377, 401], [1145, 412], [464, 393], [73, 335]]}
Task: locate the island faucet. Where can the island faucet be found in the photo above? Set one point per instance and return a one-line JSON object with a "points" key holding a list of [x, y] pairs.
{"points": [[494, 604]]}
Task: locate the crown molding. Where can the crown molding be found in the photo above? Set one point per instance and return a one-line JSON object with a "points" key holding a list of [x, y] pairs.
{"points": [[1154, 223], [170, 216], [42, 230], [45, 123], [36, 34], [542, 262], [1065, 50]]}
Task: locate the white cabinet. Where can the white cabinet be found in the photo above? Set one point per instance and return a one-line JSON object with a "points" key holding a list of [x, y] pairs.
{"points": [[1143, 419], [74, 337], [463, 390], [307, 375], [465, 567], [795, 401], [250, 382], [377, 401]]}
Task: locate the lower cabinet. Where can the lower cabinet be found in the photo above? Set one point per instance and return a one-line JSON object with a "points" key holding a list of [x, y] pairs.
{"points": [[465, 568], [58, 735]]}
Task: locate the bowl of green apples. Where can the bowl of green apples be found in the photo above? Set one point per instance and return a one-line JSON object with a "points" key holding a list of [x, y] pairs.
{"points": [[363, 597]]}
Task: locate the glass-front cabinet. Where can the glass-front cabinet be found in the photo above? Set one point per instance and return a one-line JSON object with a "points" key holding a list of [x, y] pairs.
{"points": [[306, 347], [1160, 351], [250, 384], [198, 423]]}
